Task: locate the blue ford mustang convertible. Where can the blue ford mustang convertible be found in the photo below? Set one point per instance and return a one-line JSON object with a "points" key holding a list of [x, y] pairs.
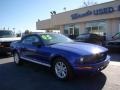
{"points": [[64, 56]]}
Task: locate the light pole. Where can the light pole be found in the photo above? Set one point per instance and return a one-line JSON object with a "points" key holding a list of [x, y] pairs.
{"points": [[14, 30]]}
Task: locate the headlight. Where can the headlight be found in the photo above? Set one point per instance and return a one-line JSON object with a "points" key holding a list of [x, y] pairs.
{"points": [[82, 59], [96, 50]]}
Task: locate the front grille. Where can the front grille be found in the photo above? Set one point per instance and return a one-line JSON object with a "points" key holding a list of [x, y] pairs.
{"points": [[96, 58], [6, 44]]}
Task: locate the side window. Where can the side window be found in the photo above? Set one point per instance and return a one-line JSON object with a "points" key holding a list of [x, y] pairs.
{"points": [[30, 39]]}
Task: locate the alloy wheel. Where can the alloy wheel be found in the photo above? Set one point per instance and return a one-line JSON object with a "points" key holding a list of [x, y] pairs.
{"points": [[16, 58], [61, 70]]}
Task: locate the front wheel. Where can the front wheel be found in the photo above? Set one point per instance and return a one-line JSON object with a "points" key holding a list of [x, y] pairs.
{"points": [[62, 69]]}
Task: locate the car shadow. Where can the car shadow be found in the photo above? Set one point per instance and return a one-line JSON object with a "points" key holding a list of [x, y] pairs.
{"points": [[115, 55], [36, 77], [114, 50]]}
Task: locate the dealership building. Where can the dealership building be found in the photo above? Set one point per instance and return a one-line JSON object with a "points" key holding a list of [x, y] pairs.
{"points": [[99, 19]]}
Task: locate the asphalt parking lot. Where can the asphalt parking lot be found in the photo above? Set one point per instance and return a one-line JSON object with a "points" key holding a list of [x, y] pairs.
{"points": [[35, 77]]}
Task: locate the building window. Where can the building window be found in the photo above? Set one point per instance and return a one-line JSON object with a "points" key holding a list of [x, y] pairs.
{"points": [[96, 27], [66, 30], [77, 29]]}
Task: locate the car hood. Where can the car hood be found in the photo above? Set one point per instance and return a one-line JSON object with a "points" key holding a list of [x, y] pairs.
{"points": [[9, 39], [80, 48]]}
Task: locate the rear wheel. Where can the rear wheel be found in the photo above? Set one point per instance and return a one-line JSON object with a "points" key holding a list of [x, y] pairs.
{"points": [[17, 59], [62, 69]]}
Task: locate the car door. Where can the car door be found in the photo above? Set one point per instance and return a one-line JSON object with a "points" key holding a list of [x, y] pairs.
{"points": [[29, 50], [32, 52]]}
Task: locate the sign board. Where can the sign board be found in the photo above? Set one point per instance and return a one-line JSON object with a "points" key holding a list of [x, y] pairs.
{"points": [[100, 11]]}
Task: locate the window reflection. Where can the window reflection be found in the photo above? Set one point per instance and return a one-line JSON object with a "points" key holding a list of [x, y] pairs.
{"points": [[98, 27]]}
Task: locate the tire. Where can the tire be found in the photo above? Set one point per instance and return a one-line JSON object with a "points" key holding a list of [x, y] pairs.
{"points": [[62, 69], [17, 59]]}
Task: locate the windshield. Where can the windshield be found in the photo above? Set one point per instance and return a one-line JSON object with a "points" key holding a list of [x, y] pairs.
{"points": [[116, 36], [49, 39], [4, 34], [83, 37]]}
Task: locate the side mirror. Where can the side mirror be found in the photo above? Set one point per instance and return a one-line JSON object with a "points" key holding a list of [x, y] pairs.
{"points": [[38, 44]]}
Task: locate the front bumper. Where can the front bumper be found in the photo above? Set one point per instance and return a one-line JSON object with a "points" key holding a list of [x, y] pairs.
{"points": [[93, 67]]}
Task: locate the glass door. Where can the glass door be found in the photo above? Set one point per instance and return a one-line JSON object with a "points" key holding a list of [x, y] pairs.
{"points": [[119, 27], [71, 31]]}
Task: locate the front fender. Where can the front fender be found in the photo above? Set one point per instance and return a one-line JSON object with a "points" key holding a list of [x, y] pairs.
{"points": [[69, 57]]}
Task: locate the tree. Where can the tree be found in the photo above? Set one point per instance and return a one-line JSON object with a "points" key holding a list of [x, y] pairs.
{"points": [[27, 32], [18, 34], [87, 3]]}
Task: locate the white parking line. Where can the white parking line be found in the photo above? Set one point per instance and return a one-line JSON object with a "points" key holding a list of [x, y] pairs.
{"points": [[115, 63]]}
